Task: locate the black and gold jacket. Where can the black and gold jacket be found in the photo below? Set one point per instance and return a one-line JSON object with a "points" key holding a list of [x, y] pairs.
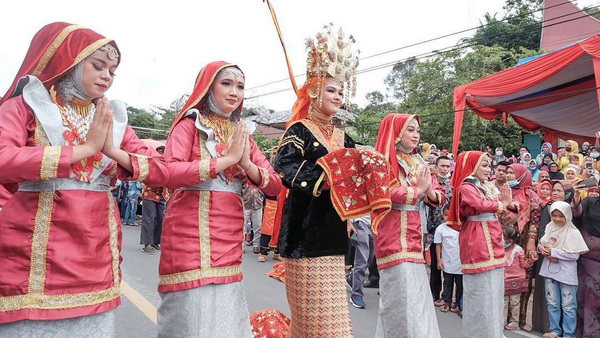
{"points": [[310, 226]]}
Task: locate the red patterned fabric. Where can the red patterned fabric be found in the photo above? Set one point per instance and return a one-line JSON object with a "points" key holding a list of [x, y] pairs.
{"points": [[360, 183], [269, 323], [278, 272]]}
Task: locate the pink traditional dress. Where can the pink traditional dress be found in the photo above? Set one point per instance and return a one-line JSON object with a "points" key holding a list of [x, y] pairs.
{"points": [[473, 210], [201, 248], [403, 311], [60, 232]]}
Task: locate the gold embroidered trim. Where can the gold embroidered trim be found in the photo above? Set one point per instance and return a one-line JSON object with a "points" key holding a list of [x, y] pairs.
{"points": [[40, 138], [295, 144], [297, 171], [50, 159], [205, 270], [49, 53], [144, 167], [488, 239], [39, 242], [410, 195], [500, 207], [204, 170], [316, 191], [265, 177], [293, 138], [35, 298], [113, 239], [404, 229], [56, 302], [204, 228], [398, 256], [485, 264], [87, 51], [336, 141], [192, 275], [204, 165]]}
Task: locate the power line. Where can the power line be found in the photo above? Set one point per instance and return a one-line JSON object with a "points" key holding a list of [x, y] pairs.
{"points": [[425, 41], [444, 50]]}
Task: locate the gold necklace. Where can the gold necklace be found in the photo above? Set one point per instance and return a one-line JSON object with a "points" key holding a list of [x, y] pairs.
{"points": [[323, 123], [411, 163], [222, 126]]}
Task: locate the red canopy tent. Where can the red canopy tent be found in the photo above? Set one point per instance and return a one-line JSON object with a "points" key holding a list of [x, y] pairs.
{"points": [[557, 93]]}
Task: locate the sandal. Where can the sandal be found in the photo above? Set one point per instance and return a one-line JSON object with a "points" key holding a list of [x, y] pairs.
{"points": [[262, 258], [512, 326], [439, 303], [455, 309], [445, 308]]}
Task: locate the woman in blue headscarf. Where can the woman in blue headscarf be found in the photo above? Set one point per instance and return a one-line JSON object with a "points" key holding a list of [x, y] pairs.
{"points": [[546, 150]]}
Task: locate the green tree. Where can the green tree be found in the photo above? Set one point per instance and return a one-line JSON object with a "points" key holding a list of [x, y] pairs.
{"points": [[520, 26], [264, 143]]}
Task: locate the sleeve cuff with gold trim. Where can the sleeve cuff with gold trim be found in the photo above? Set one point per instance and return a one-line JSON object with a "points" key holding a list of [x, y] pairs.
{"points": [[50, 162], [264, 176], [141, 167]]}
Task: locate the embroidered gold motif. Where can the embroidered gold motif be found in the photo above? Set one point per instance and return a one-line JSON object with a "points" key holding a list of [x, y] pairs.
{"points": [[143, 167], [265, 177], [41, 140], [49, 53], [87, 51], [488, 239], [50, 159], [336, 141], [399, 256], [205, 270], [113, 239], [485, 264], [39, 242], [192, 275], [57, 302], [403, 230]]}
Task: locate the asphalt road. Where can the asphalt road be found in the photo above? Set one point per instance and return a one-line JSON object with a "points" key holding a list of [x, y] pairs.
{"points": [[137, 314]]}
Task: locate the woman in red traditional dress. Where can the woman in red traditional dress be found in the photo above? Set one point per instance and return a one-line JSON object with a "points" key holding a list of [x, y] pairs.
{"points": [[405, 311], [209, 154], [62, 144], [473, 211], [313, 238]]}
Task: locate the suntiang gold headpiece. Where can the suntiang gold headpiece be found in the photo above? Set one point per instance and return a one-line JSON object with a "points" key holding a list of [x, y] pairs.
{"points": [[330, 55]]}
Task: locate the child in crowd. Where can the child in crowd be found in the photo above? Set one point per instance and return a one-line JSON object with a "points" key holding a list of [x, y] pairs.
{"points": [[515, 281], [448, 258], [561, 246]]}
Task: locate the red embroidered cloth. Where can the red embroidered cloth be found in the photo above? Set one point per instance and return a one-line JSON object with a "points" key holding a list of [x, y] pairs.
{"points": [[360, 183], [269, 323]]}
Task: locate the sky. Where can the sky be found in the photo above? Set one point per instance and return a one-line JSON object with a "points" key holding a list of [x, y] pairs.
{"points": [[164, 44]]}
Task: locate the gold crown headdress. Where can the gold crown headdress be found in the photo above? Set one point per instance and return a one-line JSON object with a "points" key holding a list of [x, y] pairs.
{"points": [[331, 55]]}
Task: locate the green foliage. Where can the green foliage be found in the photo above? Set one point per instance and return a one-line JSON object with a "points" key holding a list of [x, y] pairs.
{"points": [[263, 142], [520, 26], [426, 87]]}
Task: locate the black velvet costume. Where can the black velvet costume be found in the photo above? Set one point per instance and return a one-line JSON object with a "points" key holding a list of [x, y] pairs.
{"points": [[310, 226]]}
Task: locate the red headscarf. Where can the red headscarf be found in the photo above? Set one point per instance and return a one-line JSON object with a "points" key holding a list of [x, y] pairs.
{"points": [[467, 164], [391, 130], [524, 194], [203, 83], [55, 49], [539, 187]]}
